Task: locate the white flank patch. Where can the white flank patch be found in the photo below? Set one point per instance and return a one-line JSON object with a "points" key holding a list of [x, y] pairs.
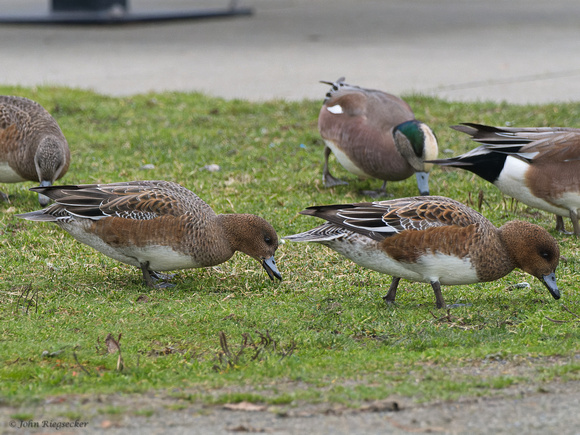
{"points": [[511, 181], [335, 109], [345, 161], [8, 175], [160, 258], [447, 269]]}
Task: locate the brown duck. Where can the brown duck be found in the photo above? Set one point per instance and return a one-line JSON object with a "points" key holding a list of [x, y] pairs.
{"points": [[32, 145], [156, 226], [433, 239]]}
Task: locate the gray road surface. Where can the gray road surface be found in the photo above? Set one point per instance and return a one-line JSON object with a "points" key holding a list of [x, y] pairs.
{"points": [[521, 51]]}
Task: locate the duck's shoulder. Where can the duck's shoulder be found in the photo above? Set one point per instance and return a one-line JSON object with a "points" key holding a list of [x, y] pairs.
{"points": [[422, 212], [158, 197], [15, 115], [22, 104]]}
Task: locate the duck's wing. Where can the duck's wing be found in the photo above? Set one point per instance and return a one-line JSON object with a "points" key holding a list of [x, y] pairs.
{"points": [[382, 219], [139, 200], [542, 144], [509, 135]]}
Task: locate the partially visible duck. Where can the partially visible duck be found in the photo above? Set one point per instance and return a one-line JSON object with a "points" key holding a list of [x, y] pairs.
{"points": [[32, 145], [374, 135], [537, 166], [156, 226], [435, 240]]}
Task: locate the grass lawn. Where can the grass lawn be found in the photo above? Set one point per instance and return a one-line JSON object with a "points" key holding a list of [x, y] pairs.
{"points": [[228, 333]]}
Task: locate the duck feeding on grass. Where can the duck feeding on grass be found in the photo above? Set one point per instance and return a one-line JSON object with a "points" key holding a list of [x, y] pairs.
{"points": [[32, 145], [373, 134], [156, 226], [433, 239]]}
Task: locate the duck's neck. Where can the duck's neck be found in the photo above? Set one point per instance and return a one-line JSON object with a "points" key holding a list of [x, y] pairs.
{"points": [[233, 226], [495, 260], [511, 236]]}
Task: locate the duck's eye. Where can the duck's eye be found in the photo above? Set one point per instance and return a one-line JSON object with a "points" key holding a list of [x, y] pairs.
{"points": [[545, 254], [268, 240]]}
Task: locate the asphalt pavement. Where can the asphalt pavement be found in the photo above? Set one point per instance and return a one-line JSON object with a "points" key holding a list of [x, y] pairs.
{"points": [[465, 50]]}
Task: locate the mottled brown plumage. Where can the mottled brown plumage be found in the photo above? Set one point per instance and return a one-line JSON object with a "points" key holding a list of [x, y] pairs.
{"points": [[32, 145], [156, 225], [433, 239]]}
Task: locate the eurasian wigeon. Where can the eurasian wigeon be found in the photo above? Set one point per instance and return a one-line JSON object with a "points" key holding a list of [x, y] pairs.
{"points": [[537, 166], [374, 135], [32, 145], [156, 226], [433, 239]]}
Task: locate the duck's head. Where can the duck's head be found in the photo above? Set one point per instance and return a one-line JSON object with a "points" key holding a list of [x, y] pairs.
{"points": [[255, 237], [51, 161], [534, 251], [416, 142]]}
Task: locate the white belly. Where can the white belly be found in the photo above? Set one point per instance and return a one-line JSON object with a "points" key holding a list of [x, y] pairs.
{"points": [[9, 175], [160, 258], [447, 269], [345, 161]]}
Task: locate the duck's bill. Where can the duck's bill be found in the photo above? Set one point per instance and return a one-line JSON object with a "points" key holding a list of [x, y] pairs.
{"points": [[423, 182], [550, 282], [270, 265], [43, 199]]}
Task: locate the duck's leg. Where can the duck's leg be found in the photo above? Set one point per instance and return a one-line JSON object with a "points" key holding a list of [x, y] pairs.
{"points": [[560, 227], [161, 276], [574, 219], [389, 298], [151, 276], [439, 301], [383, 189], [327, 178], [147, 274], [377, 193]]}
